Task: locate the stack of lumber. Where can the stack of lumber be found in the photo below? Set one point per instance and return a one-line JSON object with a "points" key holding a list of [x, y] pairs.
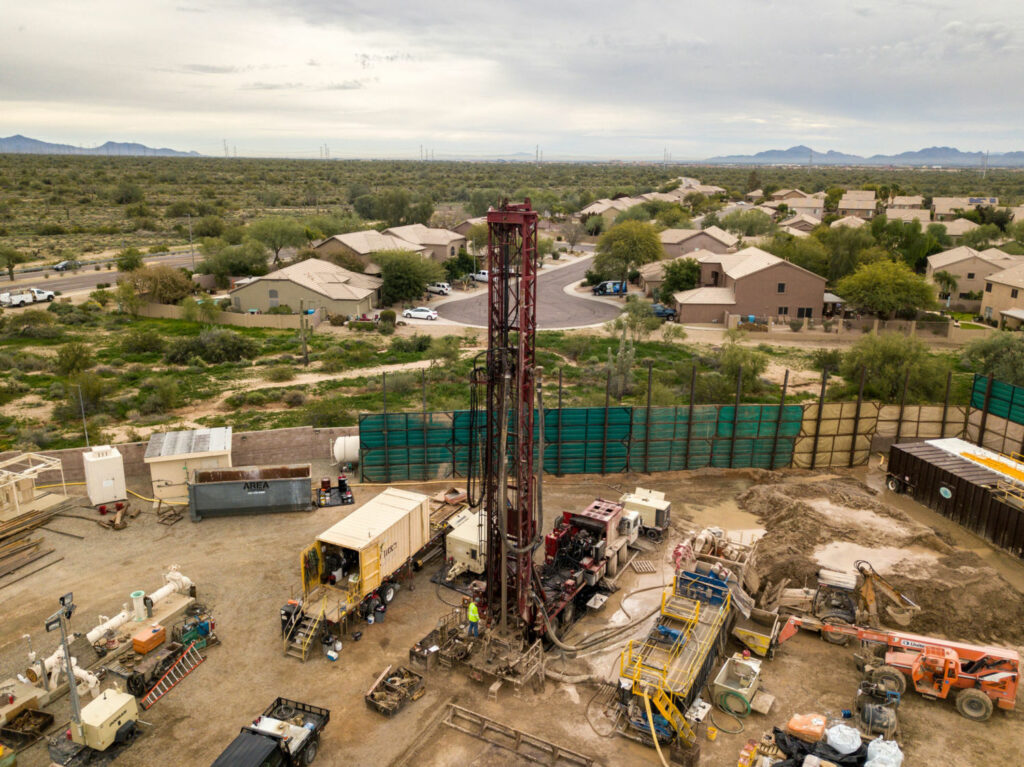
{"points": [[17, 553], [17, 548], [29, 521]]}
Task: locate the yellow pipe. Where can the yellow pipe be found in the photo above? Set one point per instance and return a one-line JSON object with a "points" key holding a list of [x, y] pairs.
{"points": [[654, 733], [151, 500], [41, 487]]}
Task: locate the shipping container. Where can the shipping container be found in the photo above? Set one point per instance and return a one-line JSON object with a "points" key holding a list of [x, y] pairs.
{"points": [[936, 474], [249, 490], [353, 558]]}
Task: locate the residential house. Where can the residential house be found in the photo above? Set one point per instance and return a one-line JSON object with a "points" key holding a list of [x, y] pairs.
{"points": [[789, 194], [911, 202], [852, 222], [440, 244], [463, 227], [945, 208], [677, 242], [755, 195], [652, 275], [608, 209], [750, 282], [971, 269], [959, 227], [310, 284], [906, 215], [1017, 213], [1003, 299], [364, 244], [810, 206], [858, 203], [802, 222]]}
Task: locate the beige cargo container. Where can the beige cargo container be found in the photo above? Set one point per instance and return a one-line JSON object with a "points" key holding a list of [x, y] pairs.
{"points": [[654, 509], [369, 547], [466, 544]]}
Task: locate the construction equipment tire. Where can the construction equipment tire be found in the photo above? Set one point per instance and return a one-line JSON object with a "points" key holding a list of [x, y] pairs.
{"points": [[389, 593], [311, 751], [974, 705], [890, 677], [894, 485], [835, 619]]}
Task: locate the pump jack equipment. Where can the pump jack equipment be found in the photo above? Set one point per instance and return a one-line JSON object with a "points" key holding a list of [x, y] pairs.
{"points": [[984, 676]]}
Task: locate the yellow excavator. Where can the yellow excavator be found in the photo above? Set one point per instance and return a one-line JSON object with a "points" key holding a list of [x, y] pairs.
{"points": [[843, 598]]}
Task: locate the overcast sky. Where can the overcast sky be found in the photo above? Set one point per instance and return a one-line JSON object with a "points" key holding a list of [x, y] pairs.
{"points": [[595, 79]]}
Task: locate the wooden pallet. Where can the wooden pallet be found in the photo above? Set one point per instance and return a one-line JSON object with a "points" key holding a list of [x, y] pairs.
{"points": [[643, 566]]}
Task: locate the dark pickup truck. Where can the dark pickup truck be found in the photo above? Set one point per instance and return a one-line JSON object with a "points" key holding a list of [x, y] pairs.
{"points": [[664, 312], [286, 735], [610, 288]]}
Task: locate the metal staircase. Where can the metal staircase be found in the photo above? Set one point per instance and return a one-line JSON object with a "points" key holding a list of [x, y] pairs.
{"points": [[302, 638], [672, 715], [185, 665]]}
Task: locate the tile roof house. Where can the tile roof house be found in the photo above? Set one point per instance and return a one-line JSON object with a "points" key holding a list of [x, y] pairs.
{"points": [[909, 214], [789, 194], [750, 282], [653, 274], [1003, 298], [811, 206], [608, 209], [441, 244], [754, 195], [463, 227], [905, 202], [958, 227], [971, 269], [945, 208], [805, 223], [677, 242], [857, 203], [365, 244], [317, 284], [852, 222]]}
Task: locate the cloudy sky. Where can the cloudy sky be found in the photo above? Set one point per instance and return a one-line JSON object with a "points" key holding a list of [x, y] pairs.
{"points": [[594, 79]]}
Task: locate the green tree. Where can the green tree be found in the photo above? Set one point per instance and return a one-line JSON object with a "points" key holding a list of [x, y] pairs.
{"points": [[278, 233], [626, 247], [680, 274], [222, 260], [209, 309], [753, 181], [127, 298], [593, 224], [73, 358], [637, 319], [734, 357], [458, 267], [209, 226], [405, 275], [633, 213], [885, 287], [477, 237], [10, 257], [189, 309], [161, 283], [845, 246], [127, 192], [947, 283], [1000, 355], [982, 237], [747, 223], [886, 358], [128, 260], [806, 252]]}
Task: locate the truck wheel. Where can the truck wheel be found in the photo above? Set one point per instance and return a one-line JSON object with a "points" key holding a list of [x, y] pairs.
{"points": [[835, 619], [49, 298], [974, 705], [895, 680], [654, 535], [311, 751], [389, 593], [894, 485]]}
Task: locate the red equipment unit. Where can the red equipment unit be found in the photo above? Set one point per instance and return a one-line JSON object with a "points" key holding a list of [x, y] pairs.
{"points": [[511, 383]]}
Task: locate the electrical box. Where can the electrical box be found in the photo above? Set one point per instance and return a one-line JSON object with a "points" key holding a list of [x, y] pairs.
{"points": [[464, 545], [104, 720], [104, 475]]}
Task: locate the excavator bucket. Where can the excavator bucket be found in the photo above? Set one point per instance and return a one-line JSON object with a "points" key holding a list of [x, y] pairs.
{"points": [[902, 616]]}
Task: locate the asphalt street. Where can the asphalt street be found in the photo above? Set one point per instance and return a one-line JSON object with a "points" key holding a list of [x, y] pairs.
{"points": [[86, 278], [555, 309]]}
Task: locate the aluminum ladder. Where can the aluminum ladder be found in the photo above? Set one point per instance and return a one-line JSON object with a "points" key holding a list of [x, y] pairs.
{"points": [[185, 665]]}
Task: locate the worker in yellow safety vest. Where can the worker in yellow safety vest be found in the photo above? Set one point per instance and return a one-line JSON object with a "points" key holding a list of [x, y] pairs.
{"points": [[473, 615]]}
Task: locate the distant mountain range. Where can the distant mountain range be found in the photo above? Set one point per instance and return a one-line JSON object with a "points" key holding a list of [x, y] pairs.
{"points": [[946, 156], [24, 145]]}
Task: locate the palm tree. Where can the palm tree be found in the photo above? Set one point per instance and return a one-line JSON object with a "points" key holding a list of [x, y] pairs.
{"points": [[947, 284]]}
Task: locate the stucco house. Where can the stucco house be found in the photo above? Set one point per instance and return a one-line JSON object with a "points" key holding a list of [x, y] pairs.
{"points": [[907, 202], [463, 227], [677, 242], [1003, 298], [750, 282], [945, 208], [364, 244], [851, 222], [439, 244], [809, 206], [311, 284], [971, 269], [789, 194], [859, 203], [958, 227], [802, 222], [652, 275], [906, 215]]}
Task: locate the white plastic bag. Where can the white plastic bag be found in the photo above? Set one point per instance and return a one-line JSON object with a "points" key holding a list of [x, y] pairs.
{"points": [[843, 739], [884, 753]]}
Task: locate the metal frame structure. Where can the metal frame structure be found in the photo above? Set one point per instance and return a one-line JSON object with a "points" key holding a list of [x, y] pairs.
{"points": [[510, 499], [27, 466]]}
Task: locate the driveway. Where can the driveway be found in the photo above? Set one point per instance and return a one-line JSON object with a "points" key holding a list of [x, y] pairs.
{"points": [[555, 307]]}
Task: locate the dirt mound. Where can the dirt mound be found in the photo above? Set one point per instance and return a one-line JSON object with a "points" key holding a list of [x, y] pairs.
{"points": [[838, 520]]}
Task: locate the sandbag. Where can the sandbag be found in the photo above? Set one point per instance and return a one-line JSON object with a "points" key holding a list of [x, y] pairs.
{"points": [[843, 739], [884, 753]]}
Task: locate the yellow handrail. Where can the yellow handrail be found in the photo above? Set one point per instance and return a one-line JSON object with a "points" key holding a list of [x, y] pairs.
{"points": [[316, 624]]}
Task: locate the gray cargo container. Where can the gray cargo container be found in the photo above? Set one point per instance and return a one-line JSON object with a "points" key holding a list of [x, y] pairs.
{"points": [[249, 490]]}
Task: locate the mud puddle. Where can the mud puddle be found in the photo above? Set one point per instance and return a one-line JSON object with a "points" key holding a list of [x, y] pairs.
{"points": [[841, 555]]}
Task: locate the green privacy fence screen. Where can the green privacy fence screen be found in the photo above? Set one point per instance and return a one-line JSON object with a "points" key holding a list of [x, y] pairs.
{"points": [[420, 446], [1004, 401]]}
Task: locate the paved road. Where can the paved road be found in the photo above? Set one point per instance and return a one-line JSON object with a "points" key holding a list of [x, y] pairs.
{"points": [[86, 278], [555, 309]]}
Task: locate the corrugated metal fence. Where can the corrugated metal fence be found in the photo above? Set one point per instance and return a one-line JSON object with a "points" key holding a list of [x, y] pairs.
{"points": [[996, 420]]}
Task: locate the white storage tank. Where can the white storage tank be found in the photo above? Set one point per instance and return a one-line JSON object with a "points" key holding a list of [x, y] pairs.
{"points": [[104, 475], [346, 450]]}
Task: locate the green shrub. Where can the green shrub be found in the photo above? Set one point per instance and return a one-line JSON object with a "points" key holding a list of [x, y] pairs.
{"points": [[73, 358], [294, 398], [279, 373], [413, 344], [337, 320], [388, 315], [796, 325], [212, 346], [140, 341], [359, 325], [158, 395], [282, 309]]}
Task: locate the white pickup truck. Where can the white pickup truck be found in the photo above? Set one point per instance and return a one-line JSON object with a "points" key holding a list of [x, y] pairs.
{"points": [[21, 297]]}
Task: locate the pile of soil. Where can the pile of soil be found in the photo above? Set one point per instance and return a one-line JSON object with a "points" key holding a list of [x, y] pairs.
{"points": [[961, 597]]}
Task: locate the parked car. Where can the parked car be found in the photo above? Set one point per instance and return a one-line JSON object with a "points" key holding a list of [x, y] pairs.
{"points": [[610, 288], [63, 266], [420, 313], [440, 288], [665, 312], [480, 276]]}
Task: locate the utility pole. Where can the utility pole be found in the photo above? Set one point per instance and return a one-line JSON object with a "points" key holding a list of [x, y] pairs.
{"points": [[191, 249], [81, 404], [57, 621], [302, 332]]}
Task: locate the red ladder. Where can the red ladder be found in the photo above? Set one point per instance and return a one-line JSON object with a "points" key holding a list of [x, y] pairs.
{"points": [[185, 665]]}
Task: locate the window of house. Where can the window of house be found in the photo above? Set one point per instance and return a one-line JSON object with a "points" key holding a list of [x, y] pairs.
{"points": [[714, 278], [453, 250], [1013, 293], [964, 295], [970, 275], [272, 295], [784, 311], [782, 287], [988, 287], [804, 311], [988, 312]]}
